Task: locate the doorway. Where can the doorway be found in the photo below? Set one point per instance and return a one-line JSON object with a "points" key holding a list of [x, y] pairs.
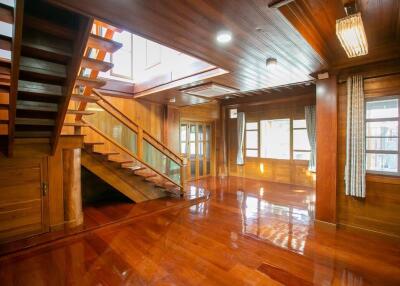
{"points": [[196, 147]]}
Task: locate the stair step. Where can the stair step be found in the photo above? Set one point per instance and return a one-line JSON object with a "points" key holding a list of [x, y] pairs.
{"points": [[37, 106], [33, 134], [147, 177], [39, 88], [42, 67], [49, 27], [79, 112], [93, 143], [103, 44], [46, 46], [4, 79], [106, 153], [95, 64], [133, 168], [76, 124], [35, 121], [90, 82], [6, 14], [79, 97], [5, 69], [5, 43]]}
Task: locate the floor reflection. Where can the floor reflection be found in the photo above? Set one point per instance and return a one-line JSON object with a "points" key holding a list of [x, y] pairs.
{"points": [[285, 226]]}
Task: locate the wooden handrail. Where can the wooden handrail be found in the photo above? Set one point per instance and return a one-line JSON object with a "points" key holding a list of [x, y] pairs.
{"points": [[130, 153], [178, 159]]}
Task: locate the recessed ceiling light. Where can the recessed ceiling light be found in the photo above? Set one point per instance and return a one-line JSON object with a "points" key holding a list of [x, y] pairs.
{"points": [[271, 64], [224, 37], [172, 100]]}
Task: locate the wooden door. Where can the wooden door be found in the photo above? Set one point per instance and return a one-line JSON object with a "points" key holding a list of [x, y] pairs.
{"points": [[196, 146], [23, 198]]}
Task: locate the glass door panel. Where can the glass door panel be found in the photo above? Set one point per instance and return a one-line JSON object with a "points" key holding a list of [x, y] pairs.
{"points": [[195, 144]]}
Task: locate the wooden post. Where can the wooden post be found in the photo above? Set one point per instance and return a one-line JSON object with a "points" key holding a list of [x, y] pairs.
{"points": [[139, 143], [73, 213], [182, 174], [326, 132]]}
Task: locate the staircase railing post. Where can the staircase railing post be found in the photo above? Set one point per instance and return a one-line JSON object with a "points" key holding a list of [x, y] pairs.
{"points": [[139, 143], [182, 175]]}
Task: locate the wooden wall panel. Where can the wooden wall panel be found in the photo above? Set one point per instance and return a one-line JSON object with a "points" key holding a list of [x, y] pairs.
{"points": [[282, 171], [326, 115], [148, 115], [23, 209], [380, 210]]}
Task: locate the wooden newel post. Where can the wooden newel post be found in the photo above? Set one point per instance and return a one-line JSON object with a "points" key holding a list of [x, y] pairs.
{"points": [[73, 214], [139, 143], [182, 174]]}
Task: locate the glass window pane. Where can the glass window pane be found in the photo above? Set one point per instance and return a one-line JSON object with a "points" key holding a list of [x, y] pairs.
{"points": [[275, 138], [201, 166], [208, 151], [200, 149], [183, 132], [251, 125], [125, 38], [251, 153], [382, 162], [382, 109], [300, 140], [252, 139], [183, 148], [382, 128], [387, 144], [208, 167], [122, 61], [300, 123], [192, 148], [200, 130], [192, 133], [301, 155]]}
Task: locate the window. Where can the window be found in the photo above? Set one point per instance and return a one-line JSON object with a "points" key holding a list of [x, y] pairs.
{"points": [[122, 59], [382, 136], [275, 139], [301, 145], [251, 139]]}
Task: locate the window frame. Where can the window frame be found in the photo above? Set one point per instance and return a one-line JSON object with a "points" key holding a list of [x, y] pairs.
{"points": [[299, 150], [258, 139], [395, 119]]}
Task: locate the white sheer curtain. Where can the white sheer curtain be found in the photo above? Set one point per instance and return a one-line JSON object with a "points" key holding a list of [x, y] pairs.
{"points": [[355, 138], [310, 124], [241, 121]]}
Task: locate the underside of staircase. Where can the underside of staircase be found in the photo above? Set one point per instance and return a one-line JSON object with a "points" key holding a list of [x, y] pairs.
{"points": [[132, 179]]}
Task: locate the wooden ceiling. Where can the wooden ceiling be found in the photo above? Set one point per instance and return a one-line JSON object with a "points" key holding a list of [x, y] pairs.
{"points": [[191, 27], [301, 35], [316, 19]]}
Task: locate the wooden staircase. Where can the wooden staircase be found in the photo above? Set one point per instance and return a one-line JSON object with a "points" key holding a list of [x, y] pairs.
{"points": [[103, 156], [47, 49], [131, 177]]}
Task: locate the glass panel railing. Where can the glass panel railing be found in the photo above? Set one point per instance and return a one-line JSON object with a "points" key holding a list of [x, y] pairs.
{"points": [[123, 135], [161, 162], [112, 127]]}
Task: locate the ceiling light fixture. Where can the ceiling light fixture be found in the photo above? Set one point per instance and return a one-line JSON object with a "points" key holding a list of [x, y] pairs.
{"points": [[224, 37], [172, 100], [351, 33], [271, 64]]}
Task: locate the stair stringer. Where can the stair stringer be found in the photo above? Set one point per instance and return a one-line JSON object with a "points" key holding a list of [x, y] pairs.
{"points": [[134, 187]]}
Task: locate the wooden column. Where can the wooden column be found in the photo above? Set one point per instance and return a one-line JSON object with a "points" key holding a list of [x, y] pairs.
{"points": [[73, 214], [327, 137]]}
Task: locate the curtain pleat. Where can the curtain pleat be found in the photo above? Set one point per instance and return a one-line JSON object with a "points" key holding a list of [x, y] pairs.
{"points": [[355, 138], [310, 125], [240, 137]]}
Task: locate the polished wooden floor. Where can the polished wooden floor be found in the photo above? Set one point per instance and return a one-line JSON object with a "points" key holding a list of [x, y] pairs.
{"points": [[248, 233]]}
